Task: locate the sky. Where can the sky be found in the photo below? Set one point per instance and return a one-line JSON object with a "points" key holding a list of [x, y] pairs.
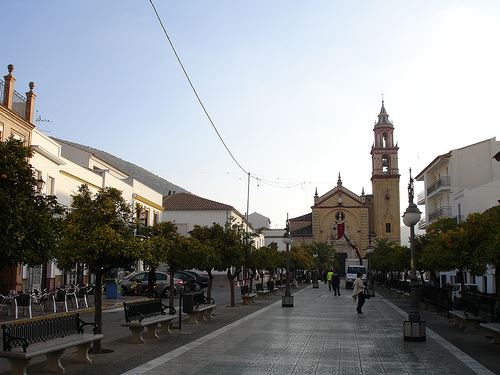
{"points": [[293, 87]]}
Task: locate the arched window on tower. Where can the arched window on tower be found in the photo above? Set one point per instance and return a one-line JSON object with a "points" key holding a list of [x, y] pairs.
{"points": [[386, 164], [385, 140]]}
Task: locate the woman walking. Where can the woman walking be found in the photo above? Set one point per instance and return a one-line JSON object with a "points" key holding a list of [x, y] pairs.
{"points": [[359, 292]]}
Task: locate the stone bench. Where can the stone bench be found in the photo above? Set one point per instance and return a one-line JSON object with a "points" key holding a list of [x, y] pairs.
{"points": [[465, 320], [495, 328], [48, 336], [263, 294], [149, 314], [248, 298], [204, 312]]}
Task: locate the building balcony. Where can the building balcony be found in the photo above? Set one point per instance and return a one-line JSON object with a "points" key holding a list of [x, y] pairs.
{"points": [[421, 198], [444, 211], [422, 224], [441, 185]]}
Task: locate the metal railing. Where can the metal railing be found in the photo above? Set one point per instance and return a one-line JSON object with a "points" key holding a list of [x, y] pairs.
{"points": [[443, 181], [420, 196], [33, 331], [444, 211], [19, 104], [2, 89], [478, 304]]}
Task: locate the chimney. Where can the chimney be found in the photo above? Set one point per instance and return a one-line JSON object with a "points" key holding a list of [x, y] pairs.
{"points": [[9, 87], [30, 104]]}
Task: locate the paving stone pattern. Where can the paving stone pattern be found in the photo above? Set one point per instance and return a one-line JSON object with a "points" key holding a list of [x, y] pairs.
{"points": [[322, 334]]}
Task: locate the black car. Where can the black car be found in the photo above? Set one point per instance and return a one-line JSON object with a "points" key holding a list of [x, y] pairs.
{"points": [[201, 280], [189, 281]]}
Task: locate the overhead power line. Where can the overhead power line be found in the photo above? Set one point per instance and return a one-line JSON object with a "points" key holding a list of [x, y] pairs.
{"points": [[194, 89], [269, 182]]}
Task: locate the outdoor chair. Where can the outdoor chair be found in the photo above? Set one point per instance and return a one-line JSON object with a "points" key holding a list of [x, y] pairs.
{"points": [[81, 297], [23, 301], [71, 296], [60, 299], [6, 301]]}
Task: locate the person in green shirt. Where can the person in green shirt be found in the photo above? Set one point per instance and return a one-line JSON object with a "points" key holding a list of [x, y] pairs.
{"points": [[329, 277]]}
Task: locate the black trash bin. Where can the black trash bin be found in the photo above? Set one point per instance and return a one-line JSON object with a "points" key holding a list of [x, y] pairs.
{"points": [[199, 298], [187, 302]]}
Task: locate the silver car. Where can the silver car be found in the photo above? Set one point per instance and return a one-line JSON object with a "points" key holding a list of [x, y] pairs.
{"points": [[137, 284]]}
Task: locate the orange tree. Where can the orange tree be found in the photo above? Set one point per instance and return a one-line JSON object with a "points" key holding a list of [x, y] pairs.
{"points": [[96, 232], [232, 254], [29, 227], [300, 258], [206, 254], [489, 224]]}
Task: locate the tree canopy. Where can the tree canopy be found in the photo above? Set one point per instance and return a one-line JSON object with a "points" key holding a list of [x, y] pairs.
{"points": [[29, 224]]}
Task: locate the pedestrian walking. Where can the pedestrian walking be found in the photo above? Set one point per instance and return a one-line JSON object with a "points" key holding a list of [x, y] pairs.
{"points": [[329, 277], [358, 292], [336, 283]]}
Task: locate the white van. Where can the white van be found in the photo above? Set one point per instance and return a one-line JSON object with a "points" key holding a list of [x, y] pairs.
{"points": [[351, 274], [457, 288]]}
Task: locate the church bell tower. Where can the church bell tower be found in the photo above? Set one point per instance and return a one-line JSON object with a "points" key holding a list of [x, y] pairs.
{"points": [[385, 180]]}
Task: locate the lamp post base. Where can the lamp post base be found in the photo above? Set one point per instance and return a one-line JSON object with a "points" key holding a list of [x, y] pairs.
{"points": [[286, 301], [414, 330]]}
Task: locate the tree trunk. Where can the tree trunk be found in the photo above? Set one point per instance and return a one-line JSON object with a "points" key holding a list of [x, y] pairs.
{"points": [[497, 280], [98, 308], [171, 289], [462, 282], [210, 282], [231, 286]]}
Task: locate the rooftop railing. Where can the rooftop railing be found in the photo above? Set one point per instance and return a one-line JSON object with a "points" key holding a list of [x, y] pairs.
{"points": [[2, 89], [19, 104]]}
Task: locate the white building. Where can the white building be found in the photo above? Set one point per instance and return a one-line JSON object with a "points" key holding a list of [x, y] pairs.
{"points": [[458, 183], [187, 210], [63, 168]]}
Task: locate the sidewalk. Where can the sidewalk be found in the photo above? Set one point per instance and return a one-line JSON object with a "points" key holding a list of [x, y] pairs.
{"points": [[322, 334]]}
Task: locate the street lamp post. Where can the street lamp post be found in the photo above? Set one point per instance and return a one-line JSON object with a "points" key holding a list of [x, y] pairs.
{"points": [[369, 273], [287, 299], [414, 329]]}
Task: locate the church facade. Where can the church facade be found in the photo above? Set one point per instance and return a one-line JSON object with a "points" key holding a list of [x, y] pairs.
{"points": [[347, 220]]}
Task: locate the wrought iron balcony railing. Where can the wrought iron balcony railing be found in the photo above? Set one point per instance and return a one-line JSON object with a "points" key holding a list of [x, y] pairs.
{"points": [[443, 181], [444, 211]]}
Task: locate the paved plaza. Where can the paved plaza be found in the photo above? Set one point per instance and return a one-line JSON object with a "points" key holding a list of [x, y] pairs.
{"points": [[322, 334]]}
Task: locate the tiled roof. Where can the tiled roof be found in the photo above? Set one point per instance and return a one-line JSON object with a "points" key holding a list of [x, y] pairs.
{"points": [[303, 232], [306, 217], [191, 202]]}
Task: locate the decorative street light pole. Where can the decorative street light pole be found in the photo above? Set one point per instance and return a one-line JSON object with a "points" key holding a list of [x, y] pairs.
{"points": [[369, 272], [414, 328], [287, 299]]}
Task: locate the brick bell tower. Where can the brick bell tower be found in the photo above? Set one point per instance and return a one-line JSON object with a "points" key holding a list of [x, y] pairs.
{"points": [[385, 180]]}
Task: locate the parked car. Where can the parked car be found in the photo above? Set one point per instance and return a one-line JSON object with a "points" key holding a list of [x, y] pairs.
{"points": [[137, 282], [201, 280], [189, 281]]}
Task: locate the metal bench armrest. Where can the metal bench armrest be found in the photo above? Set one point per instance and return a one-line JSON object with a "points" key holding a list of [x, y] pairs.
{"points": [[130, 312], [171, 309], [9, 339], [82, 324]]}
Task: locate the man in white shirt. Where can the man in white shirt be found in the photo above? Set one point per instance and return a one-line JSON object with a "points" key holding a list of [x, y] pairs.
{"points": [[359, 292]]}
